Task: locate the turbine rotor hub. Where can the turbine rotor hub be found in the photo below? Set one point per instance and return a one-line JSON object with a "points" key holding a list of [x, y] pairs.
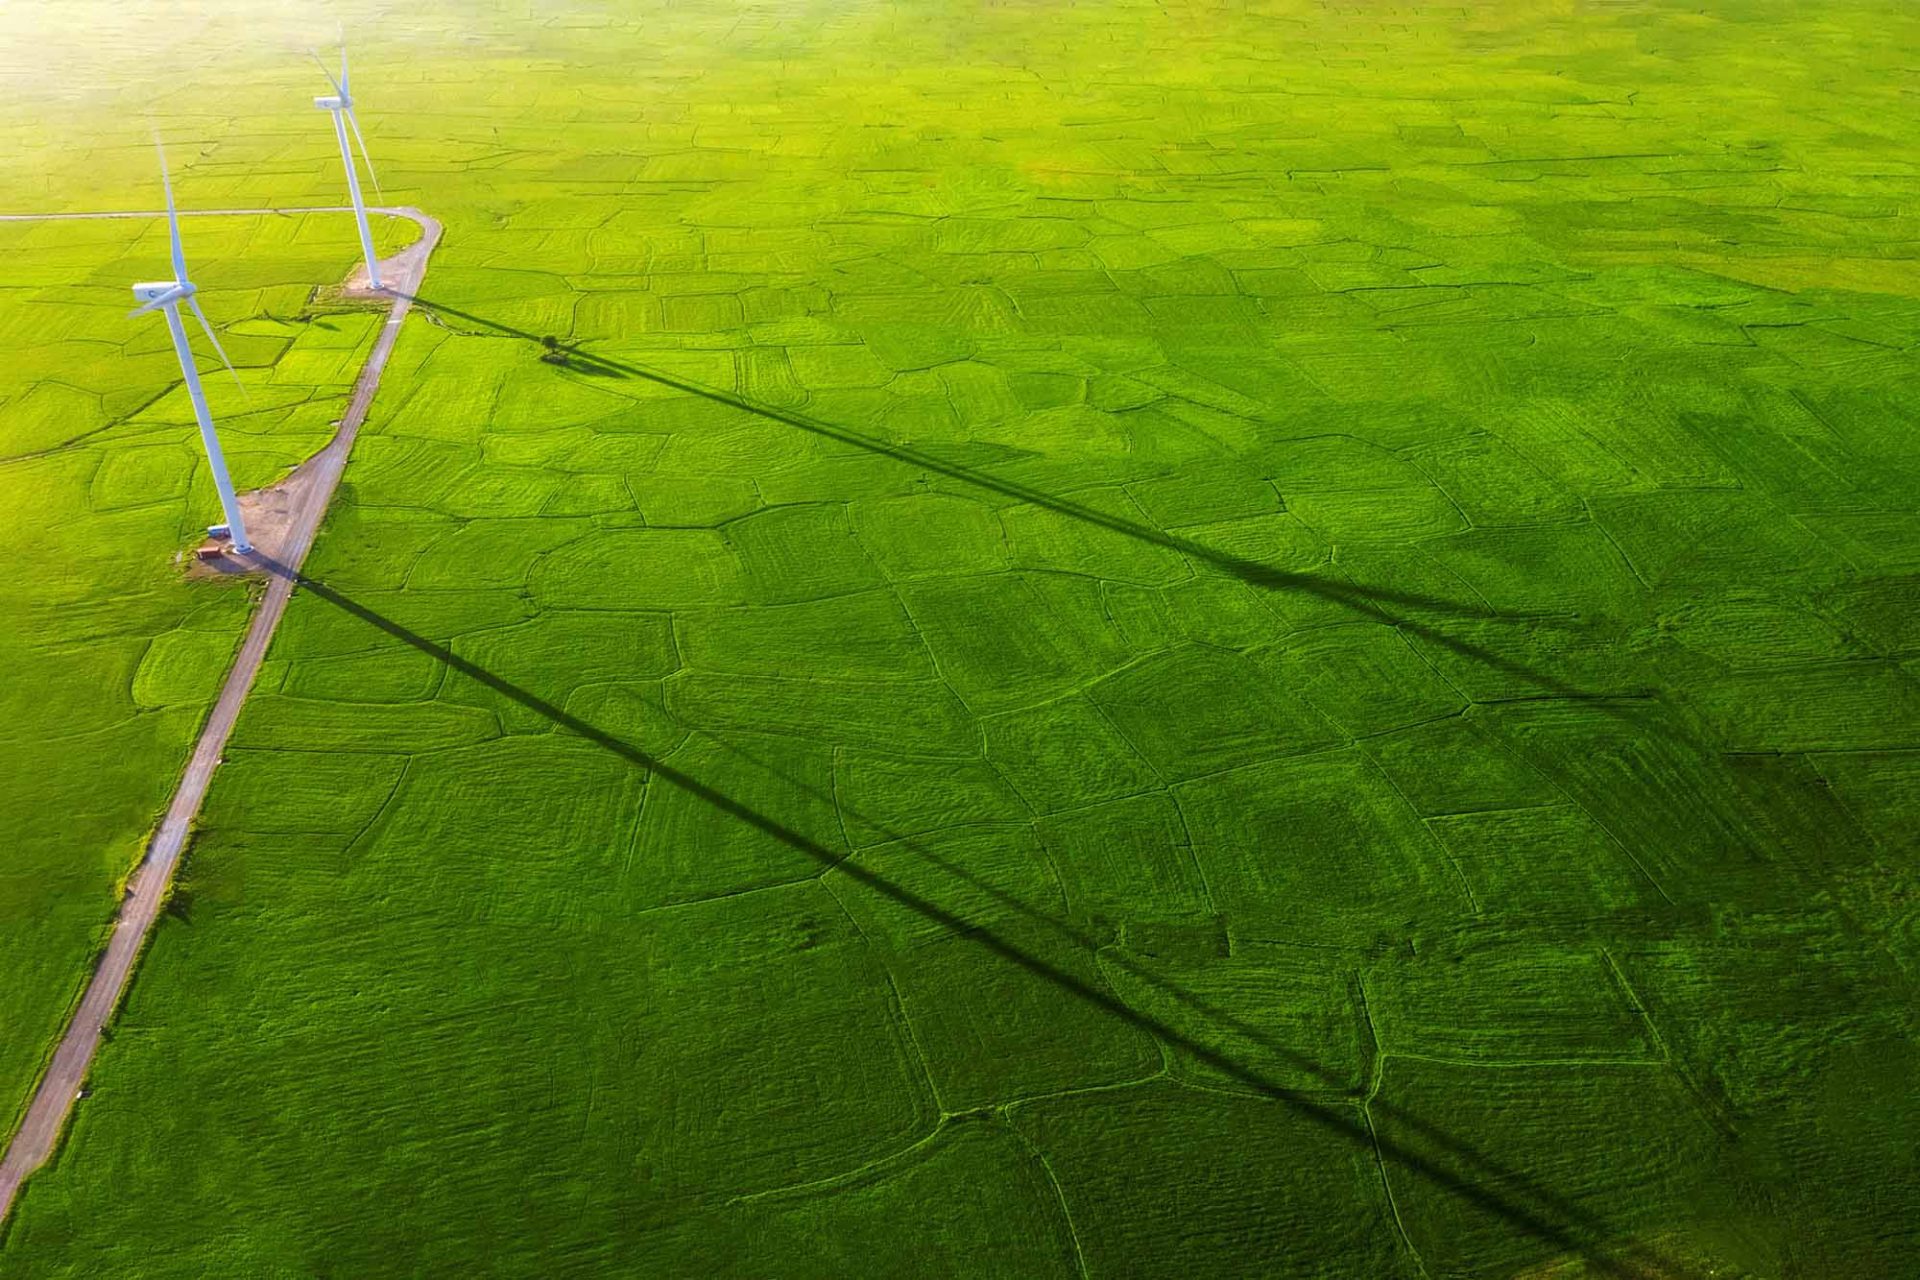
{"points": [[147, 291]]}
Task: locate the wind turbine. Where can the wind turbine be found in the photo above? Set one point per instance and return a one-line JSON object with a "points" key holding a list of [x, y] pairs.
{"points": [[166, 296], [340, 102]]}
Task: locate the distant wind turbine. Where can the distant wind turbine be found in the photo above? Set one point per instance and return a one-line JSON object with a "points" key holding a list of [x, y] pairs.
{"points": [[340, 102], [166, 296]]}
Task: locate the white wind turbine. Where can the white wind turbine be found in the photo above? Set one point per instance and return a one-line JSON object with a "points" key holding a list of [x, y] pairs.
{"points": [[340, 102], [166, 296]]}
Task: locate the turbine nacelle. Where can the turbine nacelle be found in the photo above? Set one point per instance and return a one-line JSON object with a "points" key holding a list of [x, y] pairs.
{"points": [[334, 102], [159, 292]]}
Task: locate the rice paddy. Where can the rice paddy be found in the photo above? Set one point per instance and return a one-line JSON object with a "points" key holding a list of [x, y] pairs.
{"points": [[112, 658], [1001, 640]]}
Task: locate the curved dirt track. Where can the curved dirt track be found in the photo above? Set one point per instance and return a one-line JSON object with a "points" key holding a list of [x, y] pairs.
{"points": [[147, 887]]}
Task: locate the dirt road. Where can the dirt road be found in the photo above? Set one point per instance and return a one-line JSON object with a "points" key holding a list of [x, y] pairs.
{"points": [[147, 888], [414, 214]]}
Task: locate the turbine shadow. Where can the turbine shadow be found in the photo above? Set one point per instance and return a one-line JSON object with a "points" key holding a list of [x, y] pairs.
{"points": [[1389, 607], [1512, 1197]]}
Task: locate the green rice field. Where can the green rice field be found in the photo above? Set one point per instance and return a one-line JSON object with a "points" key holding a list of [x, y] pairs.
{"points": [[112, 659], [1016, 639]]}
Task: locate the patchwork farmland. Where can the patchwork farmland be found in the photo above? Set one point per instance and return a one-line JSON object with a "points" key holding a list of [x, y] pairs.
{"points": [[1109, 640]]}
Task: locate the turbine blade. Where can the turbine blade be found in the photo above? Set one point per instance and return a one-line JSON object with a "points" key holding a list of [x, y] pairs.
{"points": [[374, 177], [337, 86], [173, 218], [154, 304], [343, 62], [201, 316]]}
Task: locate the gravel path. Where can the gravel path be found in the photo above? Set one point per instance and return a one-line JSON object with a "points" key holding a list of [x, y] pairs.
{"points": [[147, 888]]}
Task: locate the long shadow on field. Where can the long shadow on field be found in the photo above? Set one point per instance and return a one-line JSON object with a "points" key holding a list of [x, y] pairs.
{"points": [[1372, 603], [1483, 1183], [1544, 1206]]}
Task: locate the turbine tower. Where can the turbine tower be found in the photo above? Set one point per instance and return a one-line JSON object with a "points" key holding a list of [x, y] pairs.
{"points": [[340, 102], [166, 296]]}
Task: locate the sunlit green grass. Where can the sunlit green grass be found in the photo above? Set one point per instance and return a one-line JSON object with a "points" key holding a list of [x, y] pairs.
{"points": [[1124, 640]]}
